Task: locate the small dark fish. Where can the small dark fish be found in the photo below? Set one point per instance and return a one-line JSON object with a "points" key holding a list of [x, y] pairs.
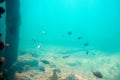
{"points": [[97, 74], [65, 56], [33, 40], [79, 37], [45, 61], [69, 33], [87, 52], [86, 44]]}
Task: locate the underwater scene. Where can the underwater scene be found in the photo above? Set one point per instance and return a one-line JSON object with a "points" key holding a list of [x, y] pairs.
{"points": [[68, 40]]}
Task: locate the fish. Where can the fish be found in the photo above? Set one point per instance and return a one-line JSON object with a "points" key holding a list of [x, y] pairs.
{"points": [[65, 56], [45, 61], [86, 44], [69, 33], [97, 74], [79, 37], [34, 40], [87, 52]]}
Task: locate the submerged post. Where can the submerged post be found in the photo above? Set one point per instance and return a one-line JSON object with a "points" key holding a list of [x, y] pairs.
{"points": [[12, 31]]}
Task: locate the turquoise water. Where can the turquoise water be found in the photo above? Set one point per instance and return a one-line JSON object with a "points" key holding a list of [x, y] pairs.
{"points": [[96, 21], [76, 36]]}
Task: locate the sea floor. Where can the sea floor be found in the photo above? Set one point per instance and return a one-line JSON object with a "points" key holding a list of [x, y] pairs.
{"points": [[58, 63]]}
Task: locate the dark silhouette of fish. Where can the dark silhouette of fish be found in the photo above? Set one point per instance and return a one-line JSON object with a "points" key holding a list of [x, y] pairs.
{"points": [[79, 37], [97, 74], [87, 52], [86, 44], [69, 33], [34, 40]]}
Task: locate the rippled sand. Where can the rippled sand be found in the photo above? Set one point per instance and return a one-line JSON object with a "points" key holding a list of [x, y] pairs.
{"points": [[71, 61]]}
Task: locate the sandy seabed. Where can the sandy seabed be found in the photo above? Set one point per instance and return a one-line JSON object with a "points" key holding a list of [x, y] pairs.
{"points": [[69, 62]]}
